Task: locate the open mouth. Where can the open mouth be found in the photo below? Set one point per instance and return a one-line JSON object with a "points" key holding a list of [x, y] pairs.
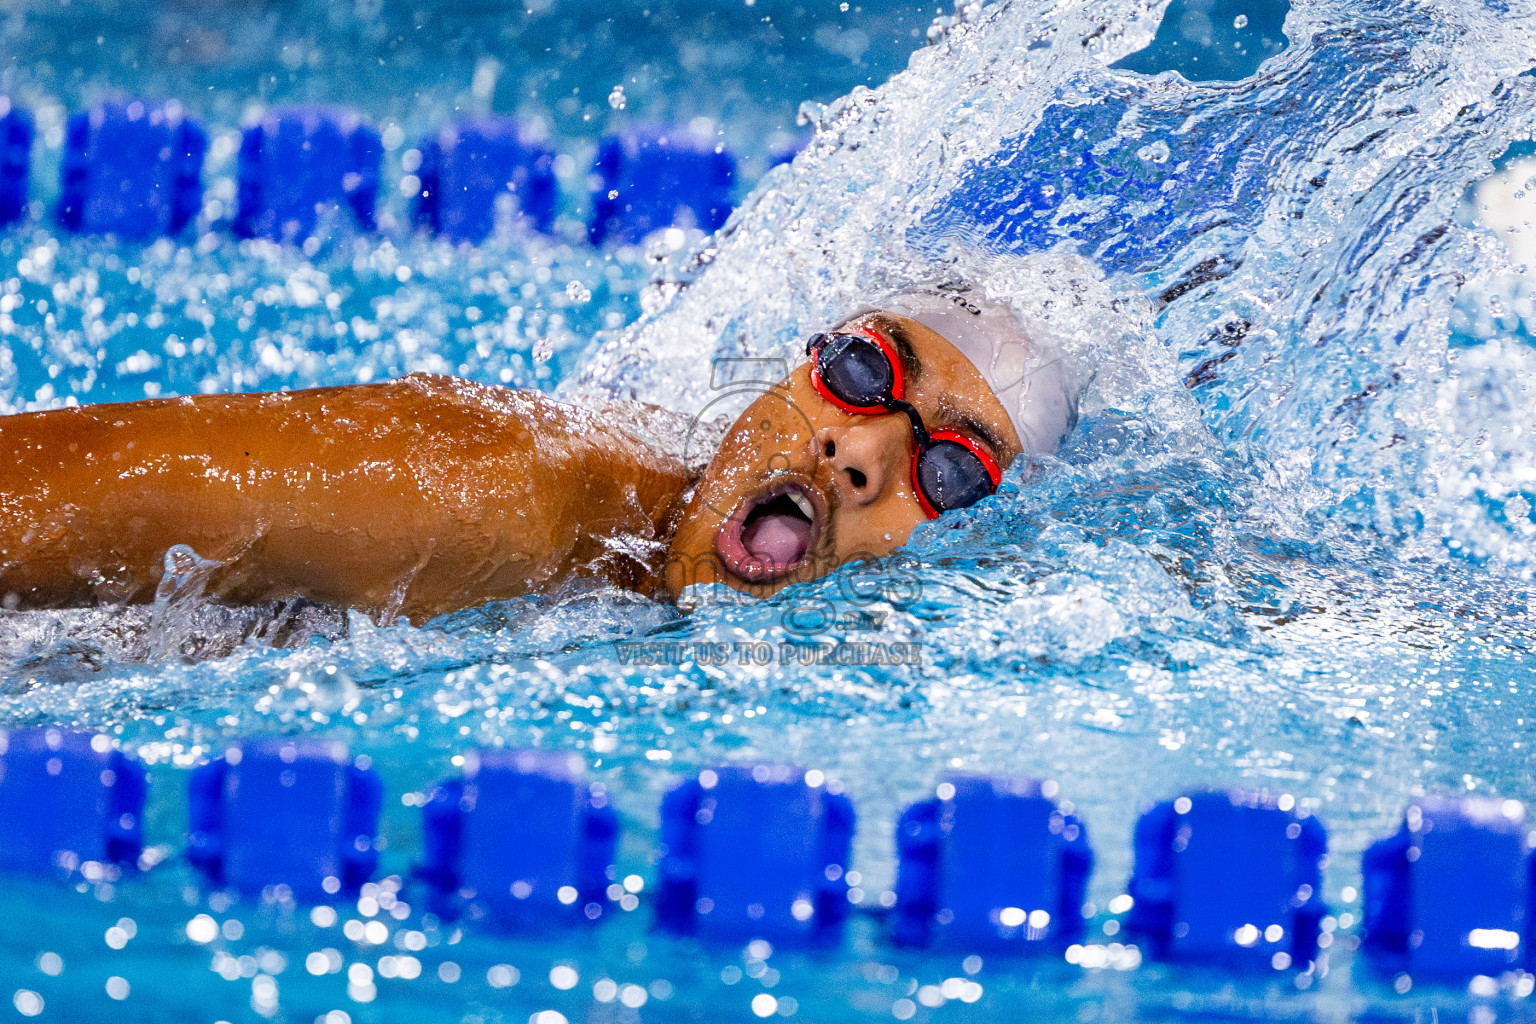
{"points": [[769, 536]]}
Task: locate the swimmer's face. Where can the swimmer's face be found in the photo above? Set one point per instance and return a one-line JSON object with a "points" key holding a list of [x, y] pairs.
{"points": [[799, 486]]}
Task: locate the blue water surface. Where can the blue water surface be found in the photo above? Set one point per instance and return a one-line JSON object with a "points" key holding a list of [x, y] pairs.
{"points": [[1288, 546]]}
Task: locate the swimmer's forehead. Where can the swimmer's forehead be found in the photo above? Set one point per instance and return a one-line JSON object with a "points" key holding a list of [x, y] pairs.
{"points": [[955, 410]]}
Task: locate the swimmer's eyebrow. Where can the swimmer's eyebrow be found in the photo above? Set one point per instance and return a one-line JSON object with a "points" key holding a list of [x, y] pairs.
{"points": [[911, 366], [972, 425]]}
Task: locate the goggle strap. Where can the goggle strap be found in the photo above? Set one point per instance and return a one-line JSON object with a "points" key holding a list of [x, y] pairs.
{"points": [[920, 436]]}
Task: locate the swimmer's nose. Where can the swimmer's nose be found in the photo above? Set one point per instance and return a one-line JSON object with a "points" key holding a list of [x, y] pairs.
{"points": [[867, 454]]}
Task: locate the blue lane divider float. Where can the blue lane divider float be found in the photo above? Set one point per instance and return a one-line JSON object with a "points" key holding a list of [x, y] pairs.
{"points": [[131, 168], [471, 166], [1451, 893], [298, 813], [653, 178], [68, 800], [1234, 878], [757, 851], [15, 160], [520, 839], [990, 863], [299, 163]]}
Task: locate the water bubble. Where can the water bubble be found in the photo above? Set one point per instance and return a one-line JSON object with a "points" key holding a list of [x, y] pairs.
{"points": [[202, 928], [1241, 21], [616, 98], [483, 85]]}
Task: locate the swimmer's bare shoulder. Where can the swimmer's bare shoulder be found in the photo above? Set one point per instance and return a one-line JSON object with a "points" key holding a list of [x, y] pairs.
{"points": [[411, 497]]}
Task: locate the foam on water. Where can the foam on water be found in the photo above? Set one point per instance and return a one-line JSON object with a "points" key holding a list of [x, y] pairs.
{"points": [[1288, 545]]}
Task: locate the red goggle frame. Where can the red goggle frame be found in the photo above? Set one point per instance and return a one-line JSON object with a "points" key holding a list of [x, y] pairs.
{"points": [[895, 401]]}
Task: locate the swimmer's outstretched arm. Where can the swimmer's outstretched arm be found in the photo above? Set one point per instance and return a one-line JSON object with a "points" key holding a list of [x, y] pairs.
{"points": [[412, 497]]}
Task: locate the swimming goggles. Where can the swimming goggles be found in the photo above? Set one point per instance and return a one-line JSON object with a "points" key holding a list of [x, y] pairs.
{"points": [[861, 373]]}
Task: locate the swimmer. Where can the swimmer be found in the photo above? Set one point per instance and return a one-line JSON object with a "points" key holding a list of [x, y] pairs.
{"points": [[426, 494]]}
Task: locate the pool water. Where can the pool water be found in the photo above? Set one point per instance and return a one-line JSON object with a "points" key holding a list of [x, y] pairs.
{"points": [[1288, 545]]}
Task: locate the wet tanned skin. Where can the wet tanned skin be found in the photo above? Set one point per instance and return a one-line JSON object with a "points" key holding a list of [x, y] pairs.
{"points": [[413, 497], [426, 494], [856, 468]]}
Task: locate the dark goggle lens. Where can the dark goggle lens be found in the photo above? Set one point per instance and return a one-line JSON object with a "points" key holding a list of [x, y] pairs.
{"points": [[952, 477], [856, 370]]}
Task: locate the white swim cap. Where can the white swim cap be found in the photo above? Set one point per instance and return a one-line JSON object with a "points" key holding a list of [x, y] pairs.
{"points": [[1026, 374]]}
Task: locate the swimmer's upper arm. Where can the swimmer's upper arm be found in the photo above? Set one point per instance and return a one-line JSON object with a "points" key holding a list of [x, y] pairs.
{"points": [[413, 496]]}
